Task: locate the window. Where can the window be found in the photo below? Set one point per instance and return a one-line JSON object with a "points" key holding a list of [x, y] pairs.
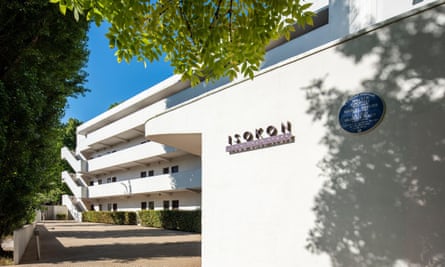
{"points": [[99, 181], [113, 179], [175, 204], [100, 207], [114, 206], [91, 183], [166, 205], [175, 169], [109, 206], [151, 173], [143, 205], [151, 205], [108, 180], [165, 170], [92, 207], [144, 174]]}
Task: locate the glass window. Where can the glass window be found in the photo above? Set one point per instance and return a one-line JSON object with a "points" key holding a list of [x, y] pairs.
{"points": [[175, 204], [143, 205], [175, 169], [91, 183], [166, 205], [151, 173], [151, 205], [114, 206], [100, 207], [113, 179], [144, 174], [99, 181], [165, 170]]}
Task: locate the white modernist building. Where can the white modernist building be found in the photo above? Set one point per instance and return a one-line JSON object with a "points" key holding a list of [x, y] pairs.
{"points": [[334, 155]]}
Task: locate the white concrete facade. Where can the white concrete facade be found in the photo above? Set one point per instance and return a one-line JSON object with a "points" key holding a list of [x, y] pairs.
{"points": [[324, 197]]}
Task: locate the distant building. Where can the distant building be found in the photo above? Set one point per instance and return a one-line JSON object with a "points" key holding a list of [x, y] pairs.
{"points": [[281, 181]]}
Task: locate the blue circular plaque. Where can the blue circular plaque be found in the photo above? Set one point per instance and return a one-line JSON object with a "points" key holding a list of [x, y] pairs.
{"points": [[361, 113]]}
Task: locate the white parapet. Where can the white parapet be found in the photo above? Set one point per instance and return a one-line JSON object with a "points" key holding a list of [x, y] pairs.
{"points": [[73, 209], [78, 165], [21, 240], [172, 181]]}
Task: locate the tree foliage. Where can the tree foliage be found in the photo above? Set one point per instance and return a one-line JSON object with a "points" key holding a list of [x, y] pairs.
{"points": [[41, 56], [202, 39]]}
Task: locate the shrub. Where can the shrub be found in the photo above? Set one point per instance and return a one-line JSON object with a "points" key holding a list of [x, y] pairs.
{"points": [[61, 216], [110, 217], [182, 220]]}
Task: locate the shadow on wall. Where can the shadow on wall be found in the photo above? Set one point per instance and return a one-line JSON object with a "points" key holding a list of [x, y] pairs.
{"points": [[383, 203]]}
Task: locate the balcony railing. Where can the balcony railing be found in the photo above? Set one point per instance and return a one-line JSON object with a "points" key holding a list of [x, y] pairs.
{"points": [[172, 181], [78, 165], [78, 190], [73, 207], [128, 155]]}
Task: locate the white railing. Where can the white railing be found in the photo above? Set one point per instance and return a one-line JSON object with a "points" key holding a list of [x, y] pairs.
{"points": [[70, 203], [78, 191], [78, 165], [131, 154], [172, 181]]}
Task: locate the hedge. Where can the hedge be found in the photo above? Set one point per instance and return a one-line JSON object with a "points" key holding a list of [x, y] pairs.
{"points": [[182, 220], [110, 217]]}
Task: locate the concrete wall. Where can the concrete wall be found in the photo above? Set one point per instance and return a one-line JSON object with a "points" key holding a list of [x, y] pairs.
{"points": [[50, 212], [21, 240], [329, 198]]}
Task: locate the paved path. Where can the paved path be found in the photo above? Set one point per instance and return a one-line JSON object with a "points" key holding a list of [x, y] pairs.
{"points": [[91, 244]]}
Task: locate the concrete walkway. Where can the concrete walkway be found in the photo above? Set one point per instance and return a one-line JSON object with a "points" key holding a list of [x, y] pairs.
{"points": [[91, 244]]}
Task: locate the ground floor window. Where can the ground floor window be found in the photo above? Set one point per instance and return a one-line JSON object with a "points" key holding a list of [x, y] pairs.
{"points": [[175, 204], [143, 205], [166, 205], [114, 206], [109, 206], [151, 205], [92, 207], [100, 207], [175, 169]]}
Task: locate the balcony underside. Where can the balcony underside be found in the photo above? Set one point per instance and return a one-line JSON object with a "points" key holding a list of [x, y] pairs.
{"points": [[190, 142]]}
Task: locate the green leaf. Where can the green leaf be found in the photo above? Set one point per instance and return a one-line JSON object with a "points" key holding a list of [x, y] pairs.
{"points": [[62, 9]]}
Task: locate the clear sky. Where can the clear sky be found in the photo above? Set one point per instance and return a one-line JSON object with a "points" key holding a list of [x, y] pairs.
{"points": [[110, 81]]}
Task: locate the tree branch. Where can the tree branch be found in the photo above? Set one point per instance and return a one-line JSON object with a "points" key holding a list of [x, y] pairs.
{"points": [[187, 23], [216, 15], [230, 20]]}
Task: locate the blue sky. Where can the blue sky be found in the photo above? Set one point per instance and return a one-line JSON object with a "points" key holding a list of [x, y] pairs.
{"points": [[110, 81]]}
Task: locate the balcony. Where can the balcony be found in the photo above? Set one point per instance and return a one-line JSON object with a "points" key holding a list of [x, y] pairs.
{"points": [[132, 156], [77, 164], [165, 182]]}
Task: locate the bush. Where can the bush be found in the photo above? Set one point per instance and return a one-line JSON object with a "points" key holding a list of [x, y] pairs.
{"points": [[61, 216], [182, 220], [110, 217]]}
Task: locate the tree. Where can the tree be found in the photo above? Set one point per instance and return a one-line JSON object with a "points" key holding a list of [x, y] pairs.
{"points": [[203, 40], [55, 187], [112, 105], [41, 57]]}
